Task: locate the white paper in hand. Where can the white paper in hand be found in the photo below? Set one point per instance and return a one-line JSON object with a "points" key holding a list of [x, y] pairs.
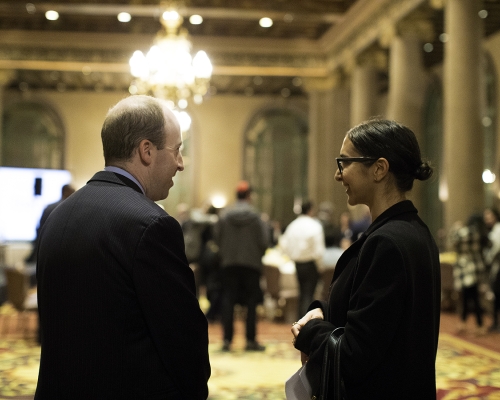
{"points": [[297, 387]]}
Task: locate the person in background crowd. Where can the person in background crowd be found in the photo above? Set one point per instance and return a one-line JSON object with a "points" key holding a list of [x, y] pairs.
{"points": [[304, 242], [242, 238], [492, 256], [470, 243], [331, 232], [209, 263], [361, 224], [346, 236], [66, 191], [118, 312], [386, 290]]}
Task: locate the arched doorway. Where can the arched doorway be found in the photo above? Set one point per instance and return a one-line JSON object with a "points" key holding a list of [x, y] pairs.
{"points": [[32, 137], [275, 161]]}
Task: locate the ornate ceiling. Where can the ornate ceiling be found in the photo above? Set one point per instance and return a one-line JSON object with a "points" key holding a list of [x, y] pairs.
{"points": [[87, 48]]}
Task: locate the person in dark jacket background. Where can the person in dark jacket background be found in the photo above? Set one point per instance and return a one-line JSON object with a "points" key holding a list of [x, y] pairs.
{"points": [[386, 286], [242, 238]]}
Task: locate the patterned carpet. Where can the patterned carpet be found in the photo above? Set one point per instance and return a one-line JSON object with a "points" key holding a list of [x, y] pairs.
{"points": [[465, 370]]}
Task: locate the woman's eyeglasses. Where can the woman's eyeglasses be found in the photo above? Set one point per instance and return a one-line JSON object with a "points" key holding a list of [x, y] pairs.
{"points": [[341, 160]]}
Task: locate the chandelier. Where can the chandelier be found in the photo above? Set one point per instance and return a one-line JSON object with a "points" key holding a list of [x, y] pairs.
{"points": [[168, 71]]}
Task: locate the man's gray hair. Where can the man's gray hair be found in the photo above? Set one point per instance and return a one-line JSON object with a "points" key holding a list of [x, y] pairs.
{"points": [[132, 120]]}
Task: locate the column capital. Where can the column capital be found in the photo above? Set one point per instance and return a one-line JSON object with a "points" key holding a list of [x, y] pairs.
{"points": [[437, 4], [6, 76], [323, 84], [418, 24], [386, 32], [374, 57]]}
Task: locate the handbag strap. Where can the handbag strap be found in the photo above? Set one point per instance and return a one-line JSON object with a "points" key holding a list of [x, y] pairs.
{"points": [[331, 358]]}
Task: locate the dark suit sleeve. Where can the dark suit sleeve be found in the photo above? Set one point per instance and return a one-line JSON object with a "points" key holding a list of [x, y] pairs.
{"points": [[166, 293], [375, 310]]}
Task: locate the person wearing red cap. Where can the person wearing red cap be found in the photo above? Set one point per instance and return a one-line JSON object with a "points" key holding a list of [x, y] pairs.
{"points": [[242, 237]]}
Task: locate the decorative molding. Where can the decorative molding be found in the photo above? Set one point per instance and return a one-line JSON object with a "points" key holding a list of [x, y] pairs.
{"points": [[6, 76], [323, 84], [155, 11], [375, 57], [15, 56], [419, 24], [437, 4], [365, 23]]}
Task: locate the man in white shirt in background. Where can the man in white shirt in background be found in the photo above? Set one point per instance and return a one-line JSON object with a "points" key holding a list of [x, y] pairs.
{"points": [[304, 242]]}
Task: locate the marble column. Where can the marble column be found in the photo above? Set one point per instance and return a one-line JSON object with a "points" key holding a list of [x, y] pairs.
{"points": [[5, 77], [407, 86], [363, 92], [328, 123], [463, 137]]}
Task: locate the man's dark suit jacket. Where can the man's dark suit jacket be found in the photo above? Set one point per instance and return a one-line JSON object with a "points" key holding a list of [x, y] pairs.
{"points": [[118, 312]]}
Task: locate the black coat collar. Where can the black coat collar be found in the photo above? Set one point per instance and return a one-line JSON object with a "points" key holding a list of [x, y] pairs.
{"points": [[402, 207], [106, 176]]}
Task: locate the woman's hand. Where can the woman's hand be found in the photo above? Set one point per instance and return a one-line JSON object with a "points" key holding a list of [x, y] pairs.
{"points": [[317, 313]]}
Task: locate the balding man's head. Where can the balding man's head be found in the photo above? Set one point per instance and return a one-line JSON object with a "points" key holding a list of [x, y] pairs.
{"points": [[132, 120]]}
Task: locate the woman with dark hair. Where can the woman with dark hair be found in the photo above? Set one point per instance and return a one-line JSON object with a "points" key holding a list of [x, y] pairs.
{"points": [[386, 287]]}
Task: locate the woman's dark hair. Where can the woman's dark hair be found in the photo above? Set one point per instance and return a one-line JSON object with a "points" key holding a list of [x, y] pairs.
{"points": [[396, 143]]}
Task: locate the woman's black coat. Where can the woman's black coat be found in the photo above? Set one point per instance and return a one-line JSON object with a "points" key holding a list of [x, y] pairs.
{"points": [[386, 292]]}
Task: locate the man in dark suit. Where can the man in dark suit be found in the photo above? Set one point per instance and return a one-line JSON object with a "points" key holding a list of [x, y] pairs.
{"points": [[118, 311]]}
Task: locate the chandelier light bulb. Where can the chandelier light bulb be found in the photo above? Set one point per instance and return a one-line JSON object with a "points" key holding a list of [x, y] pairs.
{"points": [[168, 70], [202, 65], [195, 19], [138, 65], [198, 98], [184, 120], [171, 15]]}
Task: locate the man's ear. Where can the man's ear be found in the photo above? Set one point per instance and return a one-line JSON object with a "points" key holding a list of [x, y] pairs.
{"points": [[381, 169], [145, 149]]}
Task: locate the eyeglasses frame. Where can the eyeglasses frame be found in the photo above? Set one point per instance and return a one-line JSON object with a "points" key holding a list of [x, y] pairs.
{"points": [[353, 159]]}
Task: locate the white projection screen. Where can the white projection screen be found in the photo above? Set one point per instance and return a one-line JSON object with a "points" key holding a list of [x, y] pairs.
{"points": [[24, 193]]}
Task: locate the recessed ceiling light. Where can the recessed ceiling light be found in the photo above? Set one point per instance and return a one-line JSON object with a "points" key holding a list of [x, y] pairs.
{"points": [[196, 19], [52, 15], [124, 17], [266, 22], [483, 14]]}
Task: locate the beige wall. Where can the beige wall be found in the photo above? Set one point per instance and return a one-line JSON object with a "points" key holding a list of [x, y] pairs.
{"points": [[82, 115], [217, 133]]}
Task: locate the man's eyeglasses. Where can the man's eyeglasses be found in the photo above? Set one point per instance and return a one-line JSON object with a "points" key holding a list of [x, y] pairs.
{"points": [[341, 160]]}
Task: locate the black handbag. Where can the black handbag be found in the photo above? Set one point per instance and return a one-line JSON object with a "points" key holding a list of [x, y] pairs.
{"points": [[331, 382]]}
